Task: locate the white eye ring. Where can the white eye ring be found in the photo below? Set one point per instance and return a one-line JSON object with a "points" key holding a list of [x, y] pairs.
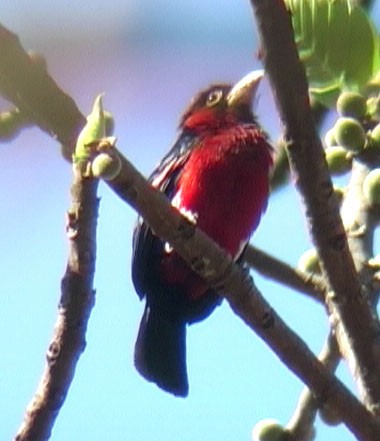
{"points": [[214, 97]]}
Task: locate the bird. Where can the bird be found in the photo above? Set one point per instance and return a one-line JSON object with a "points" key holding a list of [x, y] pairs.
{"points": [[217, 175]]}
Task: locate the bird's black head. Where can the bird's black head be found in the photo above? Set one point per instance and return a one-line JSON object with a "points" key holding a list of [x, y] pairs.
{"points": [[222, 103]]}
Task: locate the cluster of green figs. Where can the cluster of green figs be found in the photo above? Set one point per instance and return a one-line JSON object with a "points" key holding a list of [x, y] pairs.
{"points": [[355, 135]]}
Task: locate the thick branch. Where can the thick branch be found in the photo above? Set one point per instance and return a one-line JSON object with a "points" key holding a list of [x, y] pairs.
{"points": [[220, 272], [27, 85], [356, 327], [76, 302]]}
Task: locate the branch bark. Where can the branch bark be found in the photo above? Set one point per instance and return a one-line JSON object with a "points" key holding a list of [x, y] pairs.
{"points": [[29, 87], [220, 272], [77, 300], [302, 422], [353, 319], [275, 269], [211, 263]]}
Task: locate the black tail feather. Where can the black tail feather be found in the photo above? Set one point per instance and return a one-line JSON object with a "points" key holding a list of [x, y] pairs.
{"points": [[160, 352]]}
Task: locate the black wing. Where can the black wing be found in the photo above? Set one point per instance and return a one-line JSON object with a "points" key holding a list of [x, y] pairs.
{"points": [[147, 247]]}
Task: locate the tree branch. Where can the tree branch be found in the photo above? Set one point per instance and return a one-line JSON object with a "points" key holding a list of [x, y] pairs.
{"points": [[220, 271], [360, 221], [302, 422], [281, 272], [355, 323], [29, 86], [77, 300]]}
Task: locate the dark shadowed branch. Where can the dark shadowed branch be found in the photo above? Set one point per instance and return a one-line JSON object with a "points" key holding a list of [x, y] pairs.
{"points": [[355, 324]]}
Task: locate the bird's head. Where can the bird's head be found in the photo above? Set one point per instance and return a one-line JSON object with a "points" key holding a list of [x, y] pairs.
{"points": [[222, 104]]}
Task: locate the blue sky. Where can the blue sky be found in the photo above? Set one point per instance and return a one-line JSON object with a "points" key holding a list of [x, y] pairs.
{"points": [[149, 58]]}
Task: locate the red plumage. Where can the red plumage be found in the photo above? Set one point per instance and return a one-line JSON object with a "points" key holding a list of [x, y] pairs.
{"points": [[217, 174]]}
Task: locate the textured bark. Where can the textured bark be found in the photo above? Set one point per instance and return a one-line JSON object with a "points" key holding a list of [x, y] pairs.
{"points": [[77, 300], [353, 319]]}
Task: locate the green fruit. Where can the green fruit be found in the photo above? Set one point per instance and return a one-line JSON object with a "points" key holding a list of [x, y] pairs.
{"points": [[338, 160], [329, 415], [371, 187], [373, 107], [269, 430], [106, 166], [352, 104], [11, 124], [375, 136], [330, 138], [350, 134], [309, 262]]}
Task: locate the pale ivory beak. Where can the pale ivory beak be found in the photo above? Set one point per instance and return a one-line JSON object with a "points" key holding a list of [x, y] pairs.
{"points": [[245, 90]]}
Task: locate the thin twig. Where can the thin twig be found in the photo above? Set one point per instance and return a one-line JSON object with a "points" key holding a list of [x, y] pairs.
{"points": [[283, 273], [355, 323], [77, 300], [360, 221], [302, 422]]}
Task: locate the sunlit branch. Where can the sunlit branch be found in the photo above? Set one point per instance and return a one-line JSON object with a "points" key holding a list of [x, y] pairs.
{"points": [[77, 300], [354, 322]]}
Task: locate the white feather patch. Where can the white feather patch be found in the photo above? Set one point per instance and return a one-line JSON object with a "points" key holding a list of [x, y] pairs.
{"points": [[190, 215]]}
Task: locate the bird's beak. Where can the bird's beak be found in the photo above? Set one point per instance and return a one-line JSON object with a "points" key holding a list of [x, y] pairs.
{"points": [[244, 90]]}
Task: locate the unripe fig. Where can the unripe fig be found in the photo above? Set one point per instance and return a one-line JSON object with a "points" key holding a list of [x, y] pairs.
{"points": [[269, 430], [371, 187], [351, 104], [373, 107], [350, 134], [375, 136], [330, 138], [309, 262], [106, 166], [11, 124], [338, 160]]}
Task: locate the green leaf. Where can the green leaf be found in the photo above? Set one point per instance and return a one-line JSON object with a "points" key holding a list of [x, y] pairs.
{"points": [[337, 43], [94, 130]]}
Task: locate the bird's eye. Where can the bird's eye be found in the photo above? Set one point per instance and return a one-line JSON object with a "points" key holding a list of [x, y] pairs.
{"points": [[214, 97]]}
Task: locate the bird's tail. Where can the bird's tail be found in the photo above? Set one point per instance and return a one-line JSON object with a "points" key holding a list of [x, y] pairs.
{"points": [[160, 352]]}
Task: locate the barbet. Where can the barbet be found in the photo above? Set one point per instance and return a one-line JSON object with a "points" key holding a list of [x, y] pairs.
{"points": [[216, 174]]}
